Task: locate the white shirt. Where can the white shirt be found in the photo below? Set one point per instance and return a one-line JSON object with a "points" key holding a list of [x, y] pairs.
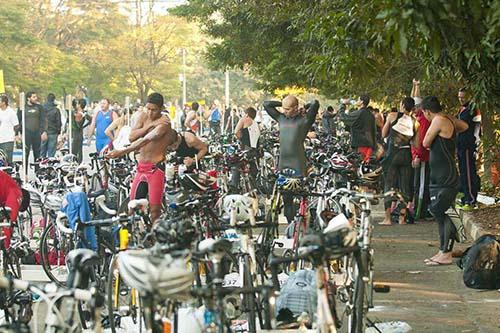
{"points": [[8, 119]]}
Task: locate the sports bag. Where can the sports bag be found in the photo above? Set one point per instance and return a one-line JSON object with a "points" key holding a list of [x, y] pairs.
{"points": [[481, 263], [298, 293]]}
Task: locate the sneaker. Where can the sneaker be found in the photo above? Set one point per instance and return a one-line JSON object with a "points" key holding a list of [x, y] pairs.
{"points": [[467, 207]]}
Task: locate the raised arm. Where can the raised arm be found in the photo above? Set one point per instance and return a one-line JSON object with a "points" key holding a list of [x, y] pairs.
{"points": [[312, 111], [270, 107], [387, 126]]}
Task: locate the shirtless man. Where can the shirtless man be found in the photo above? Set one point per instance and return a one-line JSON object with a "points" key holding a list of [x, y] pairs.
{"points": [[150, 136]]}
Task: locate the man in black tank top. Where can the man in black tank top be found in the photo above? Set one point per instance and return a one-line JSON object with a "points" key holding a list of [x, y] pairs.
{"points": [[440, 138], [190, 148]]}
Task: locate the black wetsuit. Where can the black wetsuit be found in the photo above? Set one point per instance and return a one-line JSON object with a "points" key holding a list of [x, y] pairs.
{"points": [[184, 150], [398, 171], [443, 188], [293, 132]]}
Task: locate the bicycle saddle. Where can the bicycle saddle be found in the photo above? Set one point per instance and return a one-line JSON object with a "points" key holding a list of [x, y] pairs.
{"points": [[138, 203], [211, 245], [82, 258], [162, 276], [311, 244], [95, 194]]}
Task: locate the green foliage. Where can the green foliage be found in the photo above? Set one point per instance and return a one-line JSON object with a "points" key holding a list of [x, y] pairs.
{"points": [[58, 46]]}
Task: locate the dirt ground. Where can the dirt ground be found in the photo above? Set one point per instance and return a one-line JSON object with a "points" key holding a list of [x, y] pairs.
{"points": [[488, 219]]}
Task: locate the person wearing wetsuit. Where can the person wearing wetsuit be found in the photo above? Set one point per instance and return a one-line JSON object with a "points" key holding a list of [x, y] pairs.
{"points": [[440, 138], [248, 132], [101, 120], [294, 124], [402, 131], [189, 147]]}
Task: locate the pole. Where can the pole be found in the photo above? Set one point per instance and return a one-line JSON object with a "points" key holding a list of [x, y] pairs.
{"points": [[22, 106], [228, 104], [184, 99], [127, 109], [69, 105]]}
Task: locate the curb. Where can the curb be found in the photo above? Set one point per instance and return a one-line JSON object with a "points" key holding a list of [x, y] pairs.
{"points": [[472, 230]]}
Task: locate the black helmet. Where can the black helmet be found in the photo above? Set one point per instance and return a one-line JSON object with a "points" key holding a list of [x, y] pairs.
{"points": [[177, 230]]}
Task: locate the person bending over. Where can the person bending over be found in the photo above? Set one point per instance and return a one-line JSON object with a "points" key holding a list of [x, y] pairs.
{"points": [[189, 147]]}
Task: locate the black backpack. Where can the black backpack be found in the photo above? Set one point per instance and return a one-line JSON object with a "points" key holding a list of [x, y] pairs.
{"points": [[481, 263]]}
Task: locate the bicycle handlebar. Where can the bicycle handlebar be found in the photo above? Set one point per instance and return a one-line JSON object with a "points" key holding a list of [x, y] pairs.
{"points": [[78, 294]]}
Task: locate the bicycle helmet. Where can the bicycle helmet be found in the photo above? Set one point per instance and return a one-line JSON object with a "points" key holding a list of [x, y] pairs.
{"points": [[339, 162], [369, 172], [240, 208], [289, 184], [162, 276], [175, 231], [196, 181], [3, 159]]}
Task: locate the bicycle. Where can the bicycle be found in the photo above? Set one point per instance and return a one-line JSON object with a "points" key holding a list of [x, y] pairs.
{"points": [[61, 315]]}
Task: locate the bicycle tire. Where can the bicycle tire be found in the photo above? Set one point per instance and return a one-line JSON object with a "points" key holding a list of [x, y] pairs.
{"points": [[249, 299], [358, 323], [58, 240], [98, 276]]}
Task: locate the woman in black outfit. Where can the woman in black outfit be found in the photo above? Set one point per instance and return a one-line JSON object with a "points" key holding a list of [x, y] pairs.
{"points": [[440, 138], [402, 130]]}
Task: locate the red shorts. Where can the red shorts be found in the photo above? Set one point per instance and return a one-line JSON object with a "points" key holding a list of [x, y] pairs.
{"points": [[154, 176], [366, 152]]}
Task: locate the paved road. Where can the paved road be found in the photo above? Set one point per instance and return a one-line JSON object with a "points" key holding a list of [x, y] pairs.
{"points": [[430, 299]]}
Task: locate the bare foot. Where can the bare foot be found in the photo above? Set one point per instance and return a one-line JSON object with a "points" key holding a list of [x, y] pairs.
{"points": [[441, 259], [433, 257], [402, 217], [385, 222]]}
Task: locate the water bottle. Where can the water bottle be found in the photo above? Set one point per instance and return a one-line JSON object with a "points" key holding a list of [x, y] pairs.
{"points": [[209, 319], [182, 169]]}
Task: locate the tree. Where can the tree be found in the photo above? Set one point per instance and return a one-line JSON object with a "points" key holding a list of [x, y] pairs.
{"points": [[356, 46]]}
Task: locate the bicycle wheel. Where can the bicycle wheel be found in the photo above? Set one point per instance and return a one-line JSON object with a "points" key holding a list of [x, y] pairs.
{"points": [[124, 308], [98, 277], [358, 319], [249, 299], [54, 245]]}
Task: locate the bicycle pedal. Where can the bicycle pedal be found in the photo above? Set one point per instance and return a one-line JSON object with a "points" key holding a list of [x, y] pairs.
{"points": [[381, 288]]}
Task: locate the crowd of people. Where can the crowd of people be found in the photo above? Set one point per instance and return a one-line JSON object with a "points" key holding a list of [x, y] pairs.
{"points": [[417, 144]]}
